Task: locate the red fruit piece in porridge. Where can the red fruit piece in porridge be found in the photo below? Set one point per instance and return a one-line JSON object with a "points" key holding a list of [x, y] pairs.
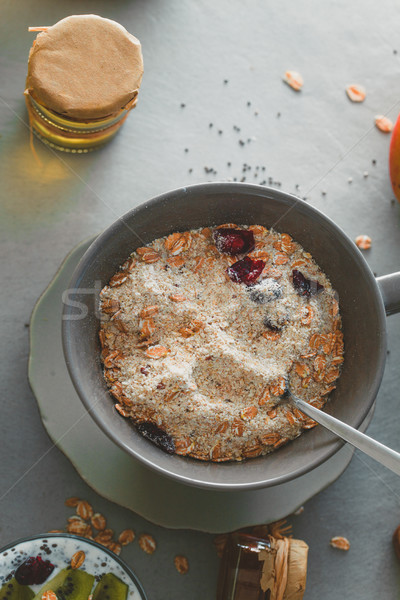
{"points": [[304, 286], [233, 241], [158, 436], [246, 271], [33, 571]]}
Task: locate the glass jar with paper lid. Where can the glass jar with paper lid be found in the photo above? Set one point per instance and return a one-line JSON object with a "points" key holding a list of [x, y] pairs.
{"points": [[84, 75]]}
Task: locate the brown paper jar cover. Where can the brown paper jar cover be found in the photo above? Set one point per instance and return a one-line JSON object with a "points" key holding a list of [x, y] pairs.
{"points": [[85, 67]]}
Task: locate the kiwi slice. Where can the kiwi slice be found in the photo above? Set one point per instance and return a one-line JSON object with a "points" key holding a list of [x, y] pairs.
{"points": [[12, 590], [110, 587], [69, 584]]}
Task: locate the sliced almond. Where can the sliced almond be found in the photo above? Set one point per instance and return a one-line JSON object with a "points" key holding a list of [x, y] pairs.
{"points": [[383, 123], [356, 92], [294, 79], [364, 242], [341, 543]]}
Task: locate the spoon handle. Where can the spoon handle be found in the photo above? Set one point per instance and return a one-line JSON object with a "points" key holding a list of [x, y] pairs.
{"points": [[384, 455]]}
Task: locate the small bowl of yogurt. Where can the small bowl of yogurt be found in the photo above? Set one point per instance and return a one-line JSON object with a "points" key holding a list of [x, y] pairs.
{"points": [[62, 565]]}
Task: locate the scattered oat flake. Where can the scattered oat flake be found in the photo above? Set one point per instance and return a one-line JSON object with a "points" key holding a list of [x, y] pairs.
{"points": [[104, 536], [356, 93], [156, 352], [98, 521], [293, 79], [79, 527], [73, 501], [78, 559], [84, 510], [177, 298], [126, 537], [363, 242], [383, 123], [147, 543], [341, 543], [49, 595], [181, 563], [114, 547]]}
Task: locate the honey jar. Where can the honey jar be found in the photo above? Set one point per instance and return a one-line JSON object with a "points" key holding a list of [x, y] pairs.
{"points": [[254, 568], [84, 75]]}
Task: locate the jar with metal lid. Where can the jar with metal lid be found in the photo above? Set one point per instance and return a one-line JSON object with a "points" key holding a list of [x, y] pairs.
{"points": [[84, 75]]}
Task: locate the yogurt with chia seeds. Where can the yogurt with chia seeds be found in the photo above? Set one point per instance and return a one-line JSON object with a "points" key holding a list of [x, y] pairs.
{"points": [[58, 549]]}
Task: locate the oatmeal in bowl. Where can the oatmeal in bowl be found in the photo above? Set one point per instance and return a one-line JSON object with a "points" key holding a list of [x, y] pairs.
{"points": [[203, 331]]}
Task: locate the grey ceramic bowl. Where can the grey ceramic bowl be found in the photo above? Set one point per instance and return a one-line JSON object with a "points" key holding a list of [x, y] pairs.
{"points": [[363, 300]]}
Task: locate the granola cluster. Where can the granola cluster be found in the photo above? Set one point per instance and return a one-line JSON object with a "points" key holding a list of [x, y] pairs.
{"points": [[203, 331]]}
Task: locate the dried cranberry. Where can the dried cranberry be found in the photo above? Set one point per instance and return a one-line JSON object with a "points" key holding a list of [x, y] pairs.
{"points": [[304, 286], [246, 271], [33, 571], [156, 435], [233, 241]]}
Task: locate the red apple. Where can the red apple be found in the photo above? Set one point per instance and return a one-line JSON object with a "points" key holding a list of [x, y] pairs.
{"points": [[394, 159]]}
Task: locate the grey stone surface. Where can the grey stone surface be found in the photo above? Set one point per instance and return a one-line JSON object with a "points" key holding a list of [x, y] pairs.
{"points": [[319, 142]]}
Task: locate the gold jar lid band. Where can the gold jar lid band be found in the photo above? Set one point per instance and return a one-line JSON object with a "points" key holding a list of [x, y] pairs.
{"points": [[68, 141], [76, 125]]}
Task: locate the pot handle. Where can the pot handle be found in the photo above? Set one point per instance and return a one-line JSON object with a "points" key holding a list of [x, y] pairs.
{"points": [[389, 286]]}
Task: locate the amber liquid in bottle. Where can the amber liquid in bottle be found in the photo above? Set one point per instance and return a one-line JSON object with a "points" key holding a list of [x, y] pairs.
{"points": [[241, 569]]}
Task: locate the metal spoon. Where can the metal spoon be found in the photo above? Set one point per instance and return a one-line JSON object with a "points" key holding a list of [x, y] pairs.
{"points": [[384, 455]]}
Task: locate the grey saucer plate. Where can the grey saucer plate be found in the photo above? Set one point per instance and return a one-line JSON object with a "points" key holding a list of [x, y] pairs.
{"points": [[127, 481]]}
